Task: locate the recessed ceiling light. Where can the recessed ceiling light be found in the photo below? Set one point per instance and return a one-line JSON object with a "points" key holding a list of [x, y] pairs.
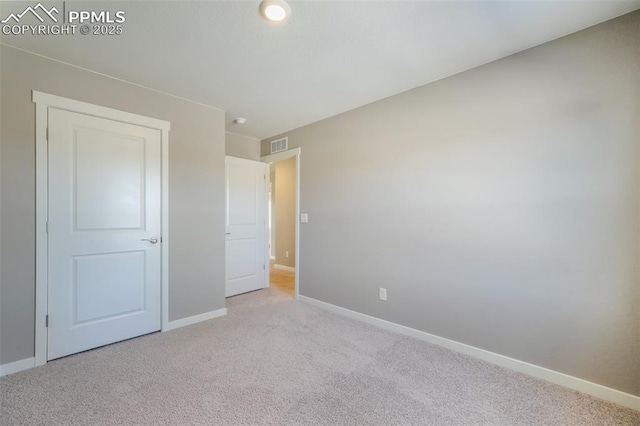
{"points": [[240, 120], [274, 10]]}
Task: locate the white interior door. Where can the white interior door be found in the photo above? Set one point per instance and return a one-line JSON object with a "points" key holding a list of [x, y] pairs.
{"points": [[246, 226], [104, 221]]}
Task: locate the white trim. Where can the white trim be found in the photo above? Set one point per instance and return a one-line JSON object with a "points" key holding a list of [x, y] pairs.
{"points": [[273, 158], [172, 325], [284, 267], [43, 101], [280, 156], [164, 239], [42, 201], [594, 389], [17, 366], [99, 111]]}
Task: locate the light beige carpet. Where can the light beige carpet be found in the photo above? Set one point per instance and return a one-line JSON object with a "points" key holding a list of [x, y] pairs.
{"points": [[273, 360]]}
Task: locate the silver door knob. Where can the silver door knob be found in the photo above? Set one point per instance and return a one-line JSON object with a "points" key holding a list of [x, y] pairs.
{"points": [[152, 240]]}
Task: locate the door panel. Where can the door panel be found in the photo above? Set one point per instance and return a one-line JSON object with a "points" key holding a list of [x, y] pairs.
{"points": [[119, 205], [242, 258], [243, 205], [104, 199], [245, 225], [108, 285]]}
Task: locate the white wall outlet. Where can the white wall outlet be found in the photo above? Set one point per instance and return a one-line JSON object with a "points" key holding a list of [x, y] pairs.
{"points": [[304, 217], [286, 254], [383, 294]]}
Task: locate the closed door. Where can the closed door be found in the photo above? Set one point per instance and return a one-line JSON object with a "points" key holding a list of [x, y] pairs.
{"points": [[245, 225], [104, 219]]}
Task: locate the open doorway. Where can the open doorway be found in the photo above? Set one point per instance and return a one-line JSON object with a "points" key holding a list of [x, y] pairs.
{"points": [[283, 229], [282, 226]]}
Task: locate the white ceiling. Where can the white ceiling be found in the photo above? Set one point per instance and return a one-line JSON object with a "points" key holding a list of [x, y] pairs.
{"points": [[329, 57]]}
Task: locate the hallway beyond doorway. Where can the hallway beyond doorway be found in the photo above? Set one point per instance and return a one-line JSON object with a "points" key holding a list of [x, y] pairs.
{"points": [[282, 280]]}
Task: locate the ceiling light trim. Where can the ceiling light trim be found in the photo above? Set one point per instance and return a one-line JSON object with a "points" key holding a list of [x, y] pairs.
{"points": [[275, 10]]}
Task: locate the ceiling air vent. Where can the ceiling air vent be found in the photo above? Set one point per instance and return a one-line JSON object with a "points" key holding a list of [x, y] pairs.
{"points": [[278, 145]]}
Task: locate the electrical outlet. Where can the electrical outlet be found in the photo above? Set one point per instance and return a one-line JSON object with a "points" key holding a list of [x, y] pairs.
{"points": [[286, 254], [383, 294]]}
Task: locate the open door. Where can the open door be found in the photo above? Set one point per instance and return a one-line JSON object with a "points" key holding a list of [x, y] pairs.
{"points": [[246, 226]]}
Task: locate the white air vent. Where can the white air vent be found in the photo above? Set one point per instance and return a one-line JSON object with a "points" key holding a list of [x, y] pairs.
{"points": [[278, 145]]}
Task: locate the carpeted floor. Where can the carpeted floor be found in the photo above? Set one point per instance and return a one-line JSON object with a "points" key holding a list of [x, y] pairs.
{"points": [[273, 360]]}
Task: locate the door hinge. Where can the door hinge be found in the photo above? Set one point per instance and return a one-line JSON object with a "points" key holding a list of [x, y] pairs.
{"points": [[47, 134], [46, 227], [46, 321], [264, 267]]}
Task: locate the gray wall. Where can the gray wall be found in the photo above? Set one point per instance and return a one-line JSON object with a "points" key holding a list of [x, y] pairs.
{"points": [[285, 212], [499, 207], [242, 146], [196, 189]]}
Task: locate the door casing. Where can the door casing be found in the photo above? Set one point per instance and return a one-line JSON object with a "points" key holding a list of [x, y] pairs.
{"points": [[43, 101]]}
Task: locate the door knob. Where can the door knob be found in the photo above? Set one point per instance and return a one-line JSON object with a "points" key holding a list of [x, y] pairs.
{"points": [[152, 240]]}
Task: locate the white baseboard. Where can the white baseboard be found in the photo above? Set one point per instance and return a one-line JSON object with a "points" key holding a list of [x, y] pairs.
{"points": [[14, 367], [25, 364], [172, 325], [284, 268], [603, 392]]}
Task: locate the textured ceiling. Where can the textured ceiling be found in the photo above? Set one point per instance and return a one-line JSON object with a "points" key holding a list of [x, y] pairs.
{"points": [[329, 57]]}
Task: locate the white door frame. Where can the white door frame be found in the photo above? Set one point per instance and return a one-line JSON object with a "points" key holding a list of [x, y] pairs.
{"points": [[274, 158], [43, 102]]}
